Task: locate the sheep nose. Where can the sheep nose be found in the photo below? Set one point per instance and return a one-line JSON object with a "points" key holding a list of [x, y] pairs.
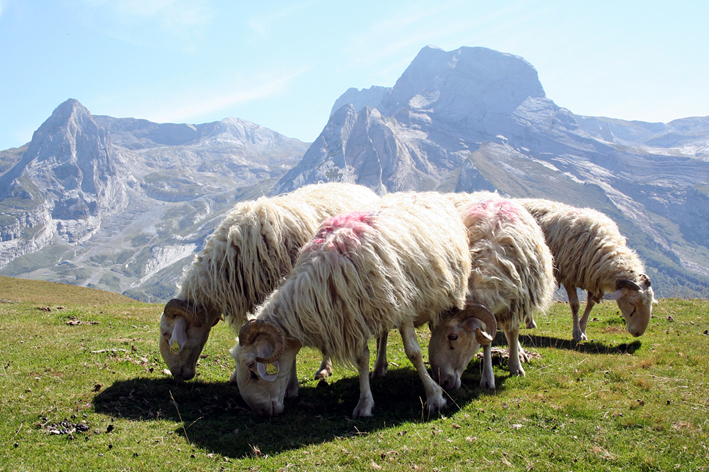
{"points": [[445, 384]]}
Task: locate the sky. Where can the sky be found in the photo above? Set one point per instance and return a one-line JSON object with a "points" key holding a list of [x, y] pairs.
{"points": [[282, 64]]}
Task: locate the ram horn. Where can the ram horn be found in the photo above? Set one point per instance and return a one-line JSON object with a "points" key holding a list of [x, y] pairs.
{"points": [[176, 307], [624, 283], [253, 328], [483, 313]]}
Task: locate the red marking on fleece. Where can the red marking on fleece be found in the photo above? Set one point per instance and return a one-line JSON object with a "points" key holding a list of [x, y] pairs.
{"points": [[502, 211], [344, 231]]}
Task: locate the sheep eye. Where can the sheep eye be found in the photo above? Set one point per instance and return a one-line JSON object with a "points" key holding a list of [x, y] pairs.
{"points": [[452, 337]]}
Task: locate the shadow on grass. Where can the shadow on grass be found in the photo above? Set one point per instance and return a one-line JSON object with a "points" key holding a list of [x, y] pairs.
{"points": [[588, 347], [214, 416]]}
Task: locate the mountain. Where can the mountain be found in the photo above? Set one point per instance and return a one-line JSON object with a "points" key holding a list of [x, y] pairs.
{"points": [[477, 119], [123, 204]]}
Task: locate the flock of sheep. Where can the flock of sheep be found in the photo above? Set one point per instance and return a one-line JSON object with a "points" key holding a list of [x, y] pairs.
{"points": [[333, 265]]}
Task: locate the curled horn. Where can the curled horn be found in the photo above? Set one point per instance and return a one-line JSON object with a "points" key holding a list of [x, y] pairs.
{"points": [[175, 308], [483, 313], [253, 328], [624, 283]]}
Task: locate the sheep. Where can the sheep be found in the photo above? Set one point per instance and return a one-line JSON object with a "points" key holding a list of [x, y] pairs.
{"points": [[459, 200], [591, 254], [250, 252], [363, 273], [512, 275]]}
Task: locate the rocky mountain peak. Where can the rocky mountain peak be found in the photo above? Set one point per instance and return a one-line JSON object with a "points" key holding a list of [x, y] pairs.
{"points": [[469, 83]]}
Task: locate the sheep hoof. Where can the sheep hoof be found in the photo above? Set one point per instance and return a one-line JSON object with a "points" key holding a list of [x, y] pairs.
{"points": [[487, 383], [580, 336], [436, 402], [364, 408], [379, 372], [519, 371], [323, 374]]}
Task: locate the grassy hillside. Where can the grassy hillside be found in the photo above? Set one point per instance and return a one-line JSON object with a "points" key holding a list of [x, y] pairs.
{"points": [[36, 291], [82, 387]]}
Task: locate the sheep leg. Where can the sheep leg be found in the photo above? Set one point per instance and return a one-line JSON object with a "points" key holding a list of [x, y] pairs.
{"points": [[434, 392], [366, 400], [512, 335], [579, 334], [590, 302], [380, 364], [293, 386], [488, 377], [531, 324], [325, 370]]}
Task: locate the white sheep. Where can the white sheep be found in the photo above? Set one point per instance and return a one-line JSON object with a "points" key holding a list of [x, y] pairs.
{"points": [[363, 273], [591, 254], [511, 275], [250, 252]]}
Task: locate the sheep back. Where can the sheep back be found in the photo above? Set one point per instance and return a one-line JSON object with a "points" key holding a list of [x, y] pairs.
{"points": [[589, 251], [257, 243], [512, 268]]}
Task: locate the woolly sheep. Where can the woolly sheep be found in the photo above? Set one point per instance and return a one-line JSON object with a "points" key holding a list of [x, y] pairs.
{"points": [[363, 273], [591, 254], [511, 275], [459, 200], [250, 252]]}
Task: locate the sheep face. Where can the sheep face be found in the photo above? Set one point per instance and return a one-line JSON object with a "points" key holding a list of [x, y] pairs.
{"points": [[456, 339], [263, 385], [187, 341], [635, 303], [184, 330]]}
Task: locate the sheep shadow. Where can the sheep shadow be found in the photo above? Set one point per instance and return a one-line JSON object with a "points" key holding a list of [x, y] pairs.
{"points": [[587, 347], [212, 415]]}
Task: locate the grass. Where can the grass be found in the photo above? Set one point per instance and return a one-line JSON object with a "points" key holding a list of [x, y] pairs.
{"points": [[613, 402]]}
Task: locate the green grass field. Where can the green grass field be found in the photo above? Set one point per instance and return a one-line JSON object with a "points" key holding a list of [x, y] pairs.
{"points": [[82, 388]]}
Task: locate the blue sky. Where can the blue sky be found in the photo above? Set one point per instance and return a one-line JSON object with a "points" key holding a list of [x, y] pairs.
{"points": [[282, 64]]}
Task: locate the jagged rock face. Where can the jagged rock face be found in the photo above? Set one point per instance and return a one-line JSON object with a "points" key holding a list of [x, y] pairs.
{"points": [[63, 185], [476, 119], [123, 204]]}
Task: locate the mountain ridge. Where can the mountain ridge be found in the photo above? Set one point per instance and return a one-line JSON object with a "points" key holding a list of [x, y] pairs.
{"points": [[462, 120]]}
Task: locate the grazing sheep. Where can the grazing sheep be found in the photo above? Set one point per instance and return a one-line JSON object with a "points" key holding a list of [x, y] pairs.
{"points": [[511, 275], [363, 273], [250, 252], [459, 200], [591, 254]]}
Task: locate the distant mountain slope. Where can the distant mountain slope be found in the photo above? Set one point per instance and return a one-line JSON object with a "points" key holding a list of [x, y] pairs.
{"points": [[123, 204], [473, 119]]}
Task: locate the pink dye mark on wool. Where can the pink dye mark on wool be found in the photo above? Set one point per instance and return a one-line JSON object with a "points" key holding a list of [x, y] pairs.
{"points": [[503, 211], [342, 232]]}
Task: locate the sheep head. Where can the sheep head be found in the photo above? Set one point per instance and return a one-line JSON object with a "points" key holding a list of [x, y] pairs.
{"points": [[635, 302], [456, 339], [184, 330], [264, 361]]}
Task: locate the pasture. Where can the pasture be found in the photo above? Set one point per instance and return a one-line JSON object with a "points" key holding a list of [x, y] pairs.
{"points": [[82, 387]]}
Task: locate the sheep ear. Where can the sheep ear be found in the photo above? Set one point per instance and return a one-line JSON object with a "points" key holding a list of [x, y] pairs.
{"points": [[269, 371], [179, 335], [615, 295]]}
